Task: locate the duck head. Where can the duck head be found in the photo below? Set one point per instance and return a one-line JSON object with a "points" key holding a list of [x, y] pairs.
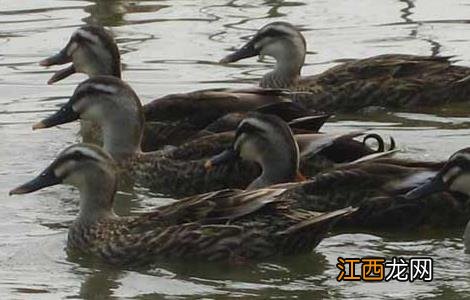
{"points": [[283, 42], [453, 177], [112, 104], [88, 168], [268, 141], [91, 50]]}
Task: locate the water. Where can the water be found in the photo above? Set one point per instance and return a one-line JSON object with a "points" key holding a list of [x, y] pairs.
{"points": [[173, 46]]}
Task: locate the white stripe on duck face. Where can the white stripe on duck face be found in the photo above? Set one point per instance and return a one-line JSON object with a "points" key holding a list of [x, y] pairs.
{"points": [[65, 168], [96, 86], [461, 184], [106, 88], [87, 151], [266, 40], [80, 104], [71, 49], [463, 154], [451, 173], [257, 123], [281, 28], [243, 137], [87, 35], [454, 172]]}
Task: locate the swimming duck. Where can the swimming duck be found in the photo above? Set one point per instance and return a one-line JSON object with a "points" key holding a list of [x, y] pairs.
{"points": [[172, 119], [227, 225], [318, 152], [116, 108], [113, 104], [375, 186], [453, 177], [390, 80]]}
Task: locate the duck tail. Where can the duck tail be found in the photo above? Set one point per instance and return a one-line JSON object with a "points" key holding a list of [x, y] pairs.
{"points": [[380, 142]]}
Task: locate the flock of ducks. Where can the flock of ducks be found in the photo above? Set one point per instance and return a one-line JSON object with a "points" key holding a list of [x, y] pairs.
{"points": [[257, 177]]}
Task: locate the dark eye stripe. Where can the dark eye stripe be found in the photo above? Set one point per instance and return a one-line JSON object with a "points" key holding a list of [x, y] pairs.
{"points": [[451, 180], [74, 156], [272, 32], [459, 161], [90, 91], [77, 156], [246, 127], [276, 33], [80, 38]]}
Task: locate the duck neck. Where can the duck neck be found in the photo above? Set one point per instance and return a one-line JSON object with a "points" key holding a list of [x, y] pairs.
{"points": [[277, 167], [122, 135], [286, 72], [97, 191]]}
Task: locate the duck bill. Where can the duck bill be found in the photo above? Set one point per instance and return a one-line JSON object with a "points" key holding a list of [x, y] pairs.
{"points": [[65, 115], [59, 59], [221, 158], [432, 186], [61, 74], [248, 50], [45, 179]]}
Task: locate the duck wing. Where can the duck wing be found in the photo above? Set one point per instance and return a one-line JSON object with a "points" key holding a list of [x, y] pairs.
{"points": [[209, 208], [392, 80], [204, 106], [355, 183]]}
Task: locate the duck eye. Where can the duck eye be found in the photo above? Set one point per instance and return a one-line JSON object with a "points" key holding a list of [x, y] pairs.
{"points": [[80, 39]]}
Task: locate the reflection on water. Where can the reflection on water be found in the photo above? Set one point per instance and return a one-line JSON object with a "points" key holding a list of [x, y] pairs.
{"points": [[171, 46]]}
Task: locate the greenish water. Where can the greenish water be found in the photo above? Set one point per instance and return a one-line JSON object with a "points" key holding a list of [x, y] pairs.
{"points": [[173, 46]]}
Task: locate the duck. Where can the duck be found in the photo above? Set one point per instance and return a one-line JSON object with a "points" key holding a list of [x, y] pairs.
{"points": [[318, 151], [172, 119], [454, 178], [224, 226], [375, 186], [116, 108], [391, 81]]}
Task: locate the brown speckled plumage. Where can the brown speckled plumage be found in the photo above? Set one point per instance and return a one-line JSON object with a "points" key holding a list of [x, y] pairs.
{"points": [[377, 187], [343, 149], [175, 172], [171, 119], [183, 178], [391, 80], [228, 225]]}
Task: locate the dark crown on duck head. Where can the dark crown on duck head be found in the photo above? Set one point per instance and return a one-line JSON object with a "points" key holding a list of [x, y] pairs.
{"points": [[71, 160], [117, 93], [266, 127], [91, 49], [270, 33], [453, 177], [267, 140]]}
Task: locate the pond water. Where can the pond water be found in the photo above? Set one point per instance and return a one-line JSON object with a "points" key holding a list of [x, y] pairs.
{"points": [[174, 46]]}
